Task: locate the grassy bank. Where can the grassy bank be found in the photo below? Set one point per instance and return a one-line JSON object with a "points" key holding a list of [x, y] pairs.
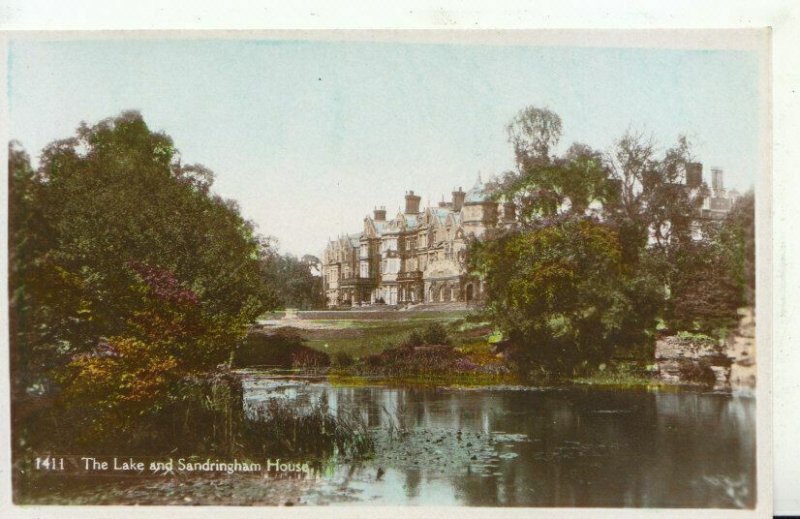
{"points": [[395, 350], [361, 337]]}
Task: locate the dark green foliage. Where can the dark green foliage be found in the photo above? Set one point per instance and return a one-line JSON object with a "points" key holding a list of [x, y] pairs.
{"points": [[413, 339], [435, 333], [119, 220], [560, 294], [296, 282], [404, 360], [129, 279], [606, 245], [342, 359], [712, 278], [284, 348]]}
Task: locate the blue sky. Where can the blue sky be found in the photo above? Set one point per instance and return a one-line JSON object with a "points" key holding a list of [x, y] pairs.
{"points": [[308, 136]]}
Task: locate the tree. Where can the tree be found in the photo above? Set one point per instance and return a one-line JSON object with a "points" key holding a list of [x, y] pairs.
{"points": [[545, 185], [120, 251], [653, 199], [297, 281], [559, 293], [636, 194], [711, 279]]}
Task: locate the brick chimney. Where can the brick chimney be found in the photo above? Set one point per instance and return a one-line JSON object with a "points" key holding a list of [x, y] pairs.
{"points": [[412, 203], [458, 199], [380, 214], [716, 182], [694, 174]]}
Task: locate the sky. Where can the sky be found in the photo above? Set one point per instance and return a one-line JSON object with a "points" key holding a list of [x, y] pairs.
{"points": [[310, 136]]}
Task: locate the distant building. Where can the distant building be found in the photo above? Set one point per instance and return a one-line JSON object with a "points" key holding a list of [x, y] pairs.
{"points": [[720, 202], [419, 256], [714, 207]]}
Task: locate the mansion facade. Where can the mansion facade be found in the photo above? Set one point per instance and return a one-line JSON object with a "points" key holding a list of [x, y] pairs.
{"points": [[418, 256]]}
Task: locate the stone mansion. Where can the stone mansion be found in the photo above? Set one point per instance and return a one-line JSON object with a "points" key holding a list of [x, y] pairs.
{"points": [[418, 256]]}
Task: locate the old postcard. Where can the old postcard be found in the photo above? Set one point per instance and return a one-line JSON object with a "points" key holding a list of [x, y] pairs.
{"points": [[408, 269]]}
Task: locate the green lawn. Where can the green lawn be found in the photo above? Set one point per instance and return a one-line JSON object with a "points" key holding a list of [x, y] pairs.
{"points": [[363, 337]]}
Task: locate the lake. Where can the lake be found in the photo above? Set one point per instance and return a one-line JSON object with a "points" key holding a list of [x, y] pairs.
{"points": [[561, 447]]}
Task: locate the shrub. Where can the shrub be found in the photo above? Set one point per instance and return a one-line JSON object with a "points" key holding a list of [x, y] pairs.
{"points": [[342, 359], [284, 348], [414, 339], [435, 333], [308, 358]]}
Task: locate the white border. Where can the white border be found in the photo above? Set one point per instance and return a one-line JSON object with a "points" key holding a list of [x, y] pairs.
{"points": [[781, 15]]}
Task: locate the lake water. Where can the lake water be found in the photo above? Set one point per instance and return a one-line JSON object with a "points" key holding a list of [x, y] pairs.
{"points": [[574, 447]]}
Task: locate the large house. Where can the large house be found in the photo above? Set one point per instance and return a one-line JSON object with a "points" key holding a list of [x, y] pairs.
{"points": [[418, 256]]}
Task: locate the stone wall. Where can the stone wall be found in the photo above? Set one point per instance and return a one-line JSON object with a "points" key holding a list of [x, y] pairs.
{"points": [[728, 364]]}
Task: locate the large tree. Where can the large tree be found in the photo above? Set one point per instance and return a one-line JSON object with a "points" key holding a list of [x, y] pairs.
{"points": [[297, 282], [662, 247], [127, 273], [560, 293]]}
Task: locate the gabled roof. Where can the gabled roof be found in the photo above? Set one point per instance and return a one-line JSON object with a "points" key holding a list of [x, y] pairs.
{"points": [[440, 213]]}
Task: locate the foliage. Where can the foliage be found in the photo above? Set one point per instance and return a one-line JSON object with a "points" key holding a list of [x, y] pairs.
{"points": [[127, 275], [284, 348], [279, 427], [342, 359], [606, 245], [296, 282], [559, 293], [435, 333]]}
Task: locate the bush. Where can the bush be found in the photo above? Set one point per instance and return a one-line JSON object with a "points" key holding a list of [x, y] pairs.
{"points": [[307, 358], [283, 348], [414, 339], [342, 359], [435, 333]]}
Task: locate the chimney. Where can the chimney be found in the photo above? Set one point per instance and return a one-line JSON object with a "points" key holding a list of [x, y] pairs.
{"points": [[412, 203], [380, 214], [694, 174], [458, 199], [716, 181]]}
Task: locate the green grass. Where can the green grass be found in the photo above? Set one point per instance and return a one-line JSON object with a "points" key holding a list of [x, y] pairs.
{"points": [[365, 337], [620, 374]]}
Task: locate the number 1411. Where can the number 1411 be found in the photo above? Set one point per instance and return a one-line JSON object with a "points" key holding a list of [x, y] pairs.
{"points": [[49, 463]]}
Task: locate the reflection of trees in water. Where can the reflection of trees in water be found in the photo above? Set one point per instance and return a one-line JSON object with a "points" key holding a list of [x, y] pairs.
{"points": [[413, 479]]}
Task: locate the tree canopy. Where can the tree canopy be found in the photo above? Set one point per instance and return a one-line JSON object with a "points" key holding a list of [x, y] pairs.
{"points": [[125, 267], [606, 245]]}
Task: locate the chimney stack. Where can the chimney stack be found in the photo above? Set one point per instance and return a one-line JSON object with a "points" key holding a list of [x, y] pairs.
{"points": [[412, 203], [458, 199], [716, 182], [694, 174], [380, 214]]}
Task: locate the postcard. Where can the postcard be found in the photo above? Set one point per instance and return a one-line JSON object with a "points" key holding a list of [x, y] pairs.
{"points": [[337, 270]]}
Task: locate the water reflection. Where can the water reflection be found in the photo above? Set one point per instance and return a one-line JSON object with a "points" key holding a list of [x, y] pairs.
{"points": [[566, 447]]}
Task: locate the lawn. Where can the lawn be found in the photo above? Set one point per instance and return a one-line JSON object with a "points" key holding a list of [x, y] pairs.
{"points": [[361, 337]]}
